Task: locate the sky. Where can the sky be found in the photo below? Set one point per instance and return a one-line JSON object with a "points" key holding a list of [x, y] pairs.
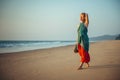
{"points": [[56, 19]]}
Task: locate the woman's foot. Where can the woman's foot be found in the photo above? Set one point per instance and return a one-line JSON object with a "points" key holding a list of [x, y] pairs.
{"points": [[87, 65], [80, 68]]}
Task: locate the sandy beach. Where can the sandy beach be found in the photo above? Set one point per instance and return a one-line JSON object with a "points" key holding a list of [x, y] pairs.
{"points": [[61, 63]]}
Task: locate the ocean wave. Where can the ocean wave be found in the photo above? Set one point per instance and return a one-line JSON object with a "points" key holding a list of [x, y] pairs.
{"points": [[4, 44], [16, 46]]}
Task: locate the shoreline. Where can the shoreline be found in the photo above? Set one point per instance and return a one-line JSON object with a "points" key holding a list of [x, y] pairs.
{"points": [[27, 51], [12, 50], [36, 49]]}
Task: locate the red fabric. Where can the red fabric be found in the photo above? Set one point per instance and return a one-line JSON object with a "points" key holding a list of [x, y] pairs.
{"points": [[84, 54]]}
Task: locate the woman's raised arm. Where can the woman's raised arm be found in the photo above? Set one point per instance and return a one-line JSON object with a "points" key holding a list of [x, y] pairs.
{"points": [[86, 20]]}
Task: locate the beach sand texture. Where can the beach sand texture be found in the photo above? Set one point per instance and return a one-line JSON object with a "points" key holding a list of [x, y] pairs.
{"points": [[61, 63]]}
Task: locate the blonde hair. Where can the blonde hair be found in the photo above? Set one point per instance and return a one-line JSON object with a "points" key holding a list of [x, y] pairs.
{"points": [[83, 14]]}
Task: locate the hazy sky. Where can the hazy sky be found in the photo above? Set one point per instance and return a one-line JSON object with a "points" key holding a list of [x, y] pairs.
{"points": [[56, 19]]}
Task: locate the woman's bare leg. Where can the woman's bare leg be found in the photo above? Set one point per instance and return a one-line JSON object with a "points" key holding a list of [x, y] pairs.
{"points": [[87, 65]]}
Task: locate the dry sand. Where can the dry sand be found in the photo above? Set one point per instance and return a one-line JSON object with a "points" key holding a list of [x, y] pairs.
{"points": [[61, 63]]}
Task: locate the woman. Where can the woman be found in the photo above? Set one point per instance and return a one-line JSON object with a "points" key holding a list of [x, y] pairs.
{"points": [[83, 40]]}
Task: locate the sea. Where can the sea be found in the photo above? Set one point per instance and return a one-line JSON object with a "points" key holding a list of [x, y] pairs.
{"points": [[17, 46]]}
